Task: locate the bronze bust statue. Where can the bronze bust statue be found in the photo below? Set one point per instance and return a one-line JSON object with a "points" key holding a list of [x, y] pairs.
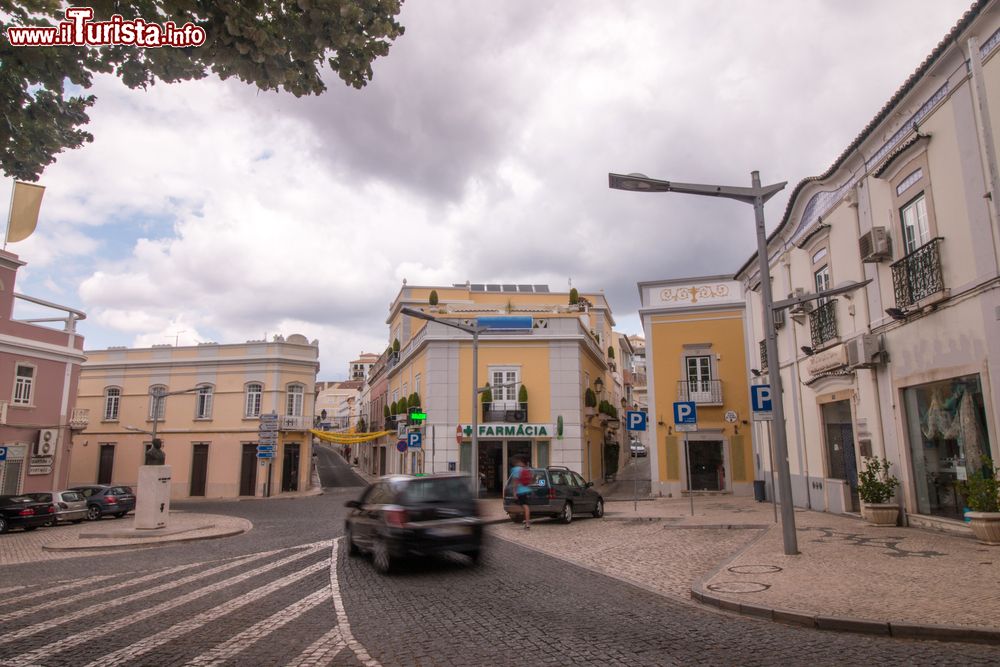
{"points": [[155, 455]]}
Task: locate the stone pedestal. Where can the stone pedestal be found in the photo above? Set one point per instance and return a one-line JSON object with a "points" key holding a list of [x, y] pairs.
{"points": [[152, 505]]}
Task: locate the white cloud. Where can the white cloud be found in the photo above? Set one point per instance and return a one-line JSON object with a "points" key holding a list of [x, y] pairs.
{"points": [[479, 152]]}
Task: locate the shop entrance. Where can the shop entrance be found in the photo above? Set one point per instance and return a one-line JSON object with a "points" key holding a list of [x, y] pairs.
{"points": [[707, 465], [842, 463], [290, 468], [490, 469]]}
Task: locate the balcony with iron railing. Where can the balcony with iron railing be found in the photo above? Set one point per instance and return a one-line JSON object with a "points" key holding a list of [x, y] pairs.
{"points": [[700, 391], [823, 323], [294, 423], [918, 275], [505, 412]]}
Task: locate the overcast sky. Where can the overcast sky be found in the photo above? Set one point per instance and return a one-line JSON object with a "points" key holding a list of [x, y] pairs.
{"points": [[209, 211]]}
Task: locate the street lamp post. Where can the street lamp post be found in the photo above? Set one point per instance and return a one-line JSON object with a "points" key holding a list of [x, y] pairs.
{"points": [[474, 331], [158, 398], [756, 195]]}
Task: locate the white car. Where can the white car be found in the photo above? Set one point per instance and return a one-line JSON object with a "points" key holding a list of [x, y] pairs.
{"points": [[637, 449], [70, 505]]}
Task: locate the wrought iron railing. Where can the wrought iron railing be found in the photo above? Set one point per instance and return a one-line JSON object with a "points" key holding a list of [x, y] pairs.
{"points": [[823, 323], [763, 355], [700, 391], [918, 275], [498, 412], [79, 418]]}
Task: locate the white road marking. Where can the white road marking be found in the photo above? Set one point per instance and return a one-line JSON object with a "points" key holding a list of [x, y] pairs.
{"points": [[143, 646], [342, 624], [57, 589], [322, 651], [89, 594], [151, 612], [258, 630]]}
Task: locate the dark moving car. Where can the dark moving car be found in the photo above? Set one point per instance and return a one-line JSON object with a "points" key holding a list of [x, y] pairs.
{"points": [[402, 516], [102, 499], [557, 492], [24, 512]]}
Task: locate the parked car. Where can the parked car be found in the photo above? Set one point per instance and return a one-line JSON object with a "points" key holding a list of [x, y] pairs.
{"points": [[69, 505], [102, 499], [636, 448], [401, 516], [24, 512], [556, 492]]}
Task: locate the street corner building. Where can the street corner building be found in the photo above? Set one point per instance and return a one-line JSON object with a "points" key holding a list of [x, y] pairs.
{"points": [[234, 419], [40, 361], [556, 393], [901, 365], [694, 338]]}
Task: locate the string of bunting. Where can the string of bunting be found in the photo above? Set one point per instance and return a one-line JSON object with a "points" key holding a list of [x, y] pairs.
{"points": [[349, 438]]}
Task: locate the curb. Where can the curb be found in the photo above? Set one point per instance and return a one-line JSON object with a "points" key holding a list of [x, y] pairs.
{"points": [[899, 630], [122, 547]]}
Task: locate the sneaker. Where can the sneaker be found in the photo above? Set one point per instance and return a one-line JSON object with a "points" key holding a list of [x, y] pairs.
{"points": [[527, 526]]}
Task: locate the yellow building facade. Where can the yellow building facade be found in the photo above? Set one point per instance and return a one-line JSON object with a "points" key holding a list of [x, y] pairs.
{"points": [[540, 356], [210, 434], [695, 352]]}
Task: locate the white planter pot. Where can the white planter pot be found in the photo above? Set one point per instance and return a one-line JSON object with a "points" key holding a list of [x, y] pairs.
{"points": [[985, 526], [880, 514]]}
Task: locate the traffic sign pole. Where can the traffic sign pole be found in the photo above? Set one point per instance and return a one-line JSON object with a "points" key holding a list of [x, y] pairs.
{"points": [[687, 461]]}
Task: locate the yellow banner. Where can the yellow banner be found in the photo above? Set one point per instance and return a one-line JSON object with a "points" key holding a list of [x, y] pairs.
{"points": [[26, 202], [349, 438]]}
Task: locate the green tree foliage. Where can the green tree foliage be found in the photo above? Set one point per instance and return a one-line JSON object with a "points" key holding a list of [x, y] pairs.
{"points": [[434, 297], [278, 45], [590, 398], [386, 411], [611, 352], [522, 394], [574, 297], [414, 401], [395, 345], [488, 394]]}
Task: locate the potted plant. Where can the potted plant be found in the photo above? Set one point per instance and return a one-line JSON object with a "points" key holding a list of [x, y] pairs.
{"points": [[589, 402], [395, 346], [433, 300], [574, 297], [876, 488], [522, 394], [981, 495]]}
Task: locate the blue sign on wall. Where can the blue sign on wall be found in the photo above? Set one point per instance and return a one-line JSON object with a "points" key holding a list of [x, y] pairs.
{"points": [[685, 416], [635, 420], [760, 401], [503, 322]]}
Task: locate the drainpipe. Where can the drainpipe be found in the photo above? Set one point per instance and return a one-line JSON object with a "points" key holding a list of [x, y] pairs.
{"points": [[796, 396], [984, 127]]}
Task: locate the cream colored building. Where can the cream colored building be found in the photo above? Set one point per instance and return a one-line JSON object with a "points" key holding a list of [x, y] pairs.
{"points": [[338, 404], [210, 435], [905, 366]]}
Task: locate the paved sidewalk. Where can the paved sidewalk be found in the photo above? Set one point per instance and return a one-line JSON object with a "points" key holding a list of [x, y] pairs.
{"points": [[848, 576], [90, 538]]}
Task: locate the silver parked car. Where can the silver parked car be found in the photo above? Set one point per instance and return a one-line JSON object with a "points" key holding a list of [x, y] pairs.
{"points": [[70, 505]]}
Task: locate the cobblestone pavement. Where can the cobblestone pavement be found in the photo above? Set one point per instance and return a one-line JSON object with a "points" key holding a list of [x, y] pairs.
{"points": [[287, 594]]}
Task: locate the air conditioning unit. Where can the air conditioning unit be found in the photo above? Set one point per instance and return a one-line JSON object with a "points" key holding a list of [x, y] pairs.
{"points": [[779, 318], [800, 308], [863, 351], [46, 445], [875, 246]]}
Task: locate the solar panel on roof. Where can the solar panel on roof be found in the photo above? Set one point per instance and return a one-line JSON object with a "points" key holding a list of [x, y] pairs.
{"points": [[541, 288], [492, 288], [525, 288], [509, 288]]}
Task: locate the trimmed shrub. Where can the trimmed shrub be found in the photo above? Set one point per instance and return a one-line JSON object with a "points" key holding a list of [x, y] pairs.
{"points": [[574, 297], [590, 398], [434, 298], [522, 394]]}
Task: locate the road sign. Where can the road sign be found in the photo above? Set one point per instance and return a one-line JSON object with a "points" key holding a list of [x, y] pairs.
{"points": [[265, 448], [635, 420], [266, 427], [267, 438], [760, 401], [40, 470], [685, 416], [413, 440], [401, 445], [3, 453], [265, 455]]}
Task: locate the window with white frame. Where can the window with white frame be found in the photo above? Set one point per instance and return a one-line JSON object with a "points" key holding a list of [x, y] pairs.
{"points": [[24, 384], [821, 279], [203, 406], [504, 382], [254, 392], [112, 401], [916, 228], [156, 401], [699, 377], [293, 406]]}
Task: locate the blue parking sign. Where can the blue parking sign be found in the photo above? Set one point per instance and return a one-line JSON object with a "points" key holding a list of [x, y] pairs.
{"points": [[685, 416], [3, 453], [760, 401], [635, 420], [413, 440]]}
